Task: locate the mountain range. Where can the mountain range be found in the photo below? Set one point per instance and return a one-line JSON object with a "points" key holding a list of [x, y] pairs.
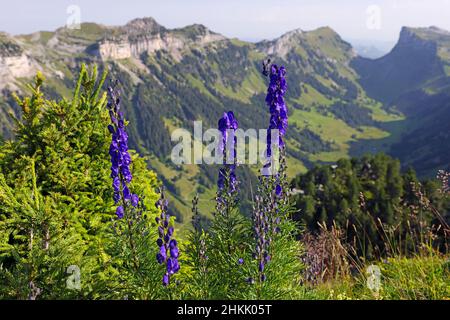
{"points": [[340, 104]]}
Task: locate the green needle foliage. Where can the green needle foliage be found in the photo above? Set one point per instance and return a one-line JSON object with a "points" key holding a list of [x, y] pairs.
{"points": [[56, 207]]}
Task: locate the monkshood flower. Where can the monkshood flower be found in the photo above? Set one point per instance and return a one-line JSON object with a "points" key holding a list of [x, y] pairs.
{"points": [[266, 212], [168, 247], [228, 125], [278, 119], [277, 106], [120, 157], [227, 182]]}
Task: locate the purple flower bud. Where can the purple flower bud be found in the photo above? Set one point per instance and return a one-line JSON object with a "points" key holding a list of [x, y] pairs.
{"points": [[169, 266], [125, 157], [165, 280], [116, 184], [134, 200], [116, 197], [113, 118], [176, 266], [173, 243], [127, 174], [278, 190], [261, 267], [160, 258], [162, 255], [240, 261], [126, 193], [114, 172], [161, 231], [166, 243], [119, 212], [174, 253]]}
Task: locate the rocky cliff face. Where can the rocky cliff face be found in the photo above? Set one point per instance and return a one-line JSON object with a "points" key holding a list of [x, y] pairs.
{"points": [[16, 66], [14, 63], [146, 36], [173, 44], [282, 45], [21, 57]]}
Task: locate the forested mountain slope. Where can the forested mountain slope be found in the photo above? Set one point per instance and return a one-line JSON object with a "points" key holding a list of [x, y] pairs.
{"points": [[171, 77], [414, 78]]}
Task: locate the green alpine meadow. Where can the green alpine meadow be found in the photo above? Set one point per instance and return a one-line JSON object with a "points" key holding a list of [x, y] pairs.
{"points": [[145, 162]]}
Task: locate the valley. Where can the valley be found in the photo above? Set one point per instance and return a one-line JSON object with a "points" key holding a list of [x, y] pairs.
{"points": [[340, 104]]}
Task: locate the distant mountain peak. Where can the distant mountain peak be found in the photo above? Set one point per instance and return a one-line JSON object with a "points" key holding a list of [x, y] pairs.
{"points": [[292, 33], [325, 32], [197, 27], [143, 23], [418, 59], [433, 33], [143, 26], [425, 30], [320, 39], [196, 32]]}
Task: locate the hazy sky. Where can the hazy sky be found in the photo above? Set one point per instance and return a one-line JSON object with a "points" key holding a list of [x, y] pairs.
{"points": [[245, 19]]}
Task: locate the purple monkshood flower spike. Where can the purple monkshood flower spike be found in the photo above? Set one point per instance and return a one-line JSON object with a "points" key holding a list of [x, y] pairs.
{"points": [[277, 106], [278, 119], [227, 182], [168, 247], [118, 151], [265, 220], [228, 124]]}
